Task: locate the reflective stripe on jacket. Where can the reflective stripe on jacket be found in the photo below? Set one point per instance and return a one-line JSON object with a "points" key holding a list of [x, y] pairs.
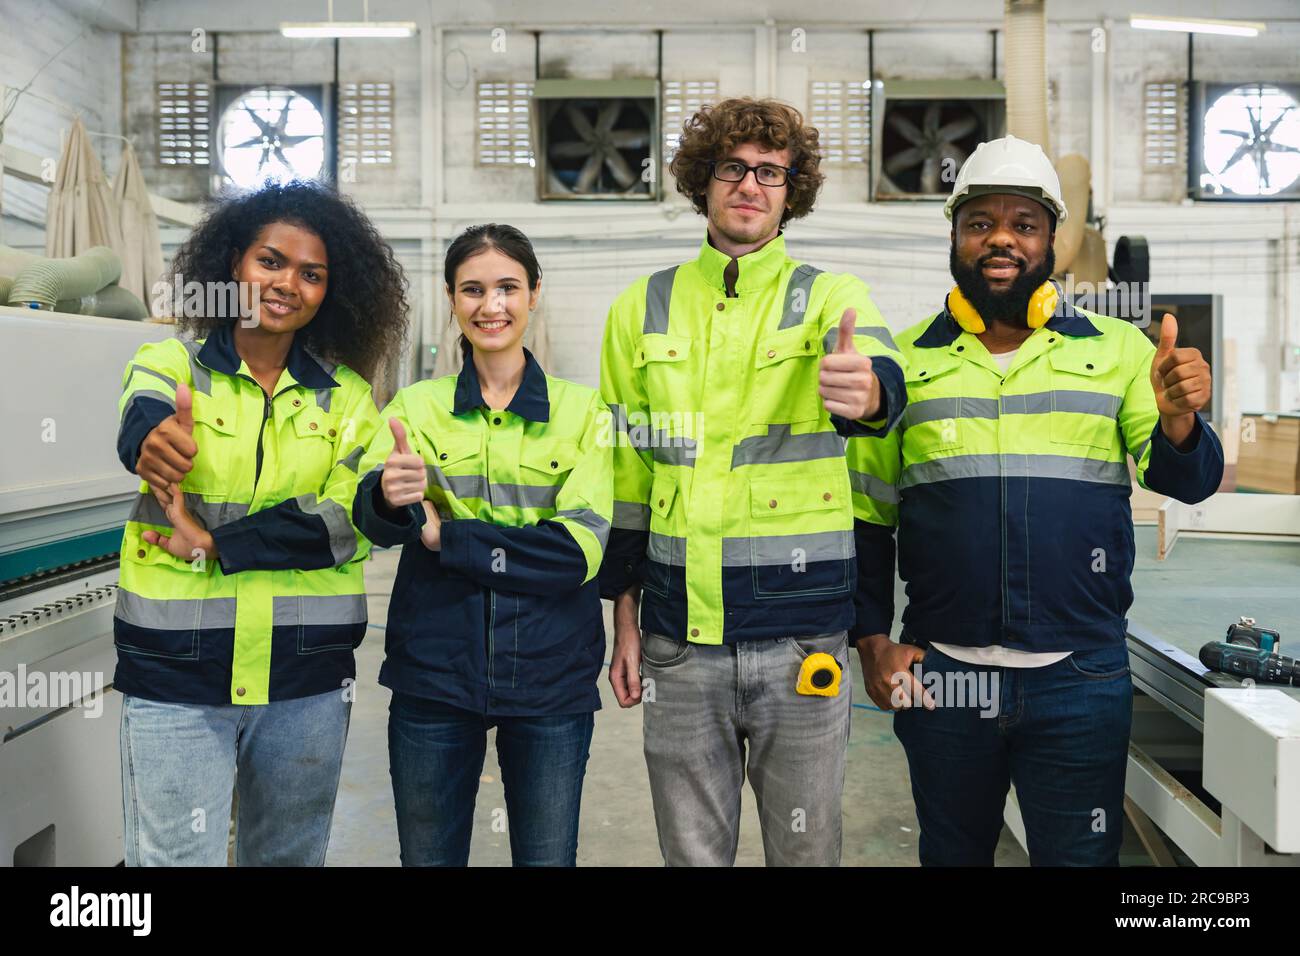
{"points": [[278, 614], [1010, 491], [731, 494], [505, 619]]}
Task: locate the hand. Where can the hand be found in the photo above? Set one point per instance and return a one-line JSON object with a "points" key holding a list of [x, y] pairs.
{"points": [[167, 453], [404, 478], [887, 672], [848, 387], [1181, 380], [431, 533], [625, 660], [189, 539]]}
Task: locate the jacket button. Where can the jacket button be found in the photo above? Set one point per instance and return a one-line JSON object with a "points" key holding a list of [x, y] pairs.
{"points": [[923, 374], [695, 632], [220, 422], [771, 353], [807, 345], [1051, 340], [672, 353], [312, 426], [826, 497], [240, 692], [140, 553], [297, 402], [961, 348], [661, 504], [555, 464], [496, 421], [721, 306], [772, 503], [443, 456], [1089, 365], [333, 433]]}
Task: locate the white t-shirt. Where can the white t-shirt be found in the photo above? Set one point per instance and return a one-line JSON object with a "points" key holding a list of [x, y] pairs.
{"points": [[995, 655]]}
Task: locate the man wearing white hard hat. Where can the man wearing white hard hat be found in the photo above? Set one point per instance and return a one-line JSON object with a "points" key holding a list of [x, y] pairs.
{"points": [[1008, 485]]}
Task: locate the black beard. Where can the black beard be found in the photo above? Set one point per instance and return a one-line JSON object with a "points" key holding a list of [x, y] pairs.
{"points": [[1011, 306]]}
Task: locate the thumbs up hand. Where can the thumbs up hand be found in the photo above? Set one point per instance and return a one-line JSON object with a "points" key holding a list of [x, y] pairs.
{"points": [[404, 479], [847, 385], [1179, 377], [167, 453]]}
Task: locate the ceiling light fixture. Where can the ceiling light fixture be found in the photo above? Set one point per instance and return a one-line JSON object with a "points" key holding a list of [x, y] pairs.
{"points": [[352, 29], [1227, 28]]}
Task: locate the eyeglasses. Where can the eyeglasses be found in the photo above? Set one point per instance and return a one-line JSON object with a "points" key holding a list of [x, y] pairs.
{"points": [[767, 174]]}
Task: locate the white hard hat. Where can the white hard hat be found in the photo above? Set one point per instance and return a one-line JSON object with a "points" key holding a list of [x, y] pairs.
{"points": [[1008, 165]]}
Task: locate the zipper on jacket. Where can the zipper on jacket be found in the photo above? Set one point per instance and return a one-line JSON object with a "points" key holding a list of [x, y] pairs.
{"points": [[492, 619], [266, 414]]}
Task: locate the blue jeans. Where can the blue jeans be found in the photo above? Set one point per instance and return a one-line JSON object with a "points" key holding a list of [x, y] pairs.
{"points": [[436, 756], [181, 763], [1060, 734]]}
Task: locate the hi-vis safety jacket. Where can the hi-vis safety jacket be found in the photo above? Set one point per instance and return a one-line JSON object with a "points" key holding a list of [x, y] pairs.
{"points": [[505, 619], [276, 616], [1010, 491], [732, 507]]}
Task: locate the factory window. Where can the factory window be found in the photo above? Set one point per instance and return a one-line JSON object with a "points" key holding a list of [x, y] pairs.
{"points": [[504, 134], [681, 99], [366, 123], [841, 111], [184, 130], [1162, 125]]}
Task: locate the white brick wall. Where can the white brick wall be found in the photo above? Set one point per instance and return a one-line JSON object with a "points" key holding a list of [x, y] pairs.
{"points": [[82, 80]]}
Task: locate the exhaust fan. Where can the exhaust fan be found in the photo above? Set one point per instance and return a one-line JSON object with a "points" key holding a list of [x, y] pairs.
{"points": [[924, 130], [597, 139]]}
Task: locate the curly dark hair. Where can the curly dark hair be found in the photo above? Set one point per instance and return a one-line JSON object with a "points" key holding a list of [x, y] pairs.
{"points": [[717, 129], [363, 318]]}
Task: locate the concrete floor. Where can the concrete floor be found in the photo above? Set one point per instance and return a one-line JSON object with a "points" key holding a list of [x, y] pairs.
{"points": [[617, 827]]}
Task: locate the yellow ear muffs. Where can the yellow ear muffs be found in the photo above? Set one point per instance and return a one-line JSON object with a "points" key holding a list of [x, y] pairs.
{"points": [[1042, 306]]}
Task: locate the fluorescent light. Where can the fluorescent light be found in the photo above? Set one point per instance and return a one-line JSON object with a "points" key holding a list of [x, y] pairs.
{"points": [[1227, 28], [350, 28]]}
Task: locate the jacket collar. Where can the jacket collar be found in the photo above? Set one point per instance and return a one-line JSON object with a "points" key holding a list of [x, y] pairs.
{"points": [[1067, 320], [757, 270], [531, 400], [218, 353]]}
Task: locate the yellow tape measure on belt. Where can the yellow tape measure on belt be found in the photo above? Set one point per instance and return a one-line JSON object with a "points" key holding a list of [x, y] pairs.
{"points": [[819, 676]]}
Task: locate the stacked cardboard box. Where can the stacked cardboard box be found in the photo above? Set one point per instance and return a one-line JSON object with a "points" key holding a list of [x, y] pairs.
{"points": [[1269, 456]]}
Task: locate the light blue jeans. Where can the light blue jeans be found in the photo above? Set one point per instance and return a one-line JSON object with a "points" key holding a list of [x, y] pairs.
{"points": [[181, 763]]}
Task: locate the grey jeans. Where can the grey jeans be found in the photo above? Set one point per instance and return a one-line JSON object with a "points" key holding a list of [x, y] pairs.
{"points": [[715, 713]]}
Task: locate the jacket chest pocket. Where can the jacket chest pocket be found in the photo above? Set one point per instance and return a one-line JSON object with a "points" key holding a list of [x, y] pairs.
{"points": [[785, 384], [1083, 412], [219, 455], [315, 443], [932, 421], [543, 468], [666, 366], [455, 472]]}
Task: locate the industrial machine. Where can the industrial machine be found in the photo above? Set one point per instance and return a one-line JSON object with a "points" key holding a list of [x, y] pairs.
{"points": [[64, 498]]}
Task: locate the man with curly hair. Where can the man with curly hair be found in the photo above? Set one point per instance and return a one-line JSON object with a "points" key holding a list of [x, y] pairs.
{"points": [[734, 380]]}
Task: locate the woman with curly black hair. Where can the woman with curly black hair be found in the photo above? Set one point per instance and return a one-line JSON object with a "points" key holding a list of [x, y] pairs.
{"points": [[241, 595]]}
